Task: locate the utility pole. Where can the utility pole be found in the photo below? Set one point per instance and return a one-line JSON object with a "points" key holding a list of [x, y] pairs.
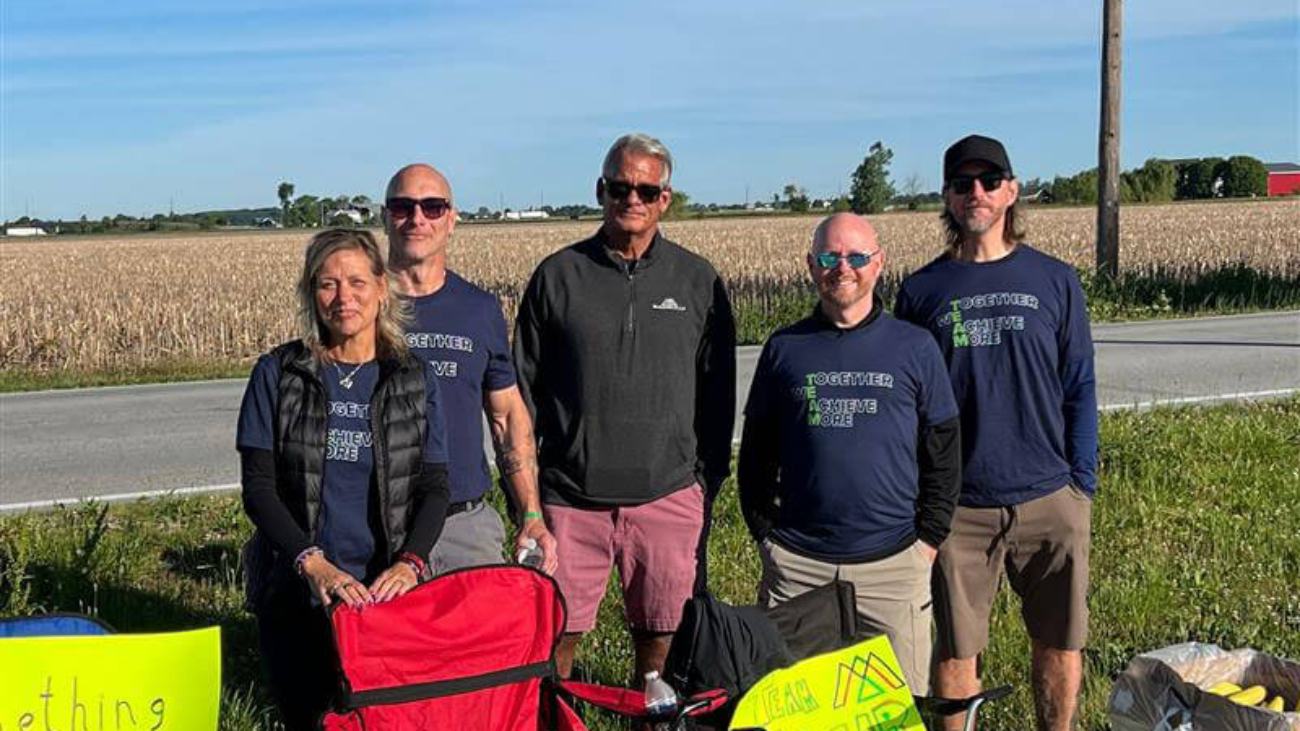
{"points": [[1108, 142]]}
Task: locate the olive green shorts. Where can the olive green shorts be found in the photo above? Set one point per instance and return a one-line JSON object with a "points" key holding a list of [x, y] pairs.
{"points": [[1043, 547]]}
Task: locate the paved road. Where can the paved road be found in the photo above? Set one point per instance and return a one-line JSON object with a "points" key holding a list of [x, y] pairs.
{"points": [[59, 445]]}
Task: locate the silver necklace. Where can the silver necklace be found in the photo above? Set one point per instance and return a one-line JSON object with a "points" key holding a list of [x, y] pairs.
{"points": [[346, 381]]}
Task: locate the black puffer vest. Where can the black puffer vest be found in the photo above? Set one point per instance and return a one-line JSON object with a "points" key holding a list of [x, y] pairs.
{"points": [[397, 424]]}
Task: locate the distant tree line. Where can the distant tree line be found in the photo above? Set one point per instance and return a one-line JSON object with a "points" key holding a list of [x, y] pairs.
{"points": [[1162, 181], [679, 207], [309, 211], [870, 191], [122, 223], [573, 212], [1157, 181]]}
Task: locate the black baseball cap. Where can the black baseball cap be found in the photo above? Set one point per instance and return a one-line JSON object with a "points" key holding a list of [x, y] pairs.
{"points": [[975, 148]]}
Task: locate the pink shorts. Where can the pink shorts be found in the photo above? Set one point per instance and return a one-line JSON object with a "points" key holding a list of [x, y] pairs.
{"points": [[653, 546]]}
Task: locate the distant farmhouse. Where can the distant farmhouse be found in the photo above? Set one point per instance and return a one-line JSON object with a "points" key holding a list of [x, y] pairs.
{"points": [[351, 214], [1283, 178], [357, 213], [525, 215], [26, 231]]}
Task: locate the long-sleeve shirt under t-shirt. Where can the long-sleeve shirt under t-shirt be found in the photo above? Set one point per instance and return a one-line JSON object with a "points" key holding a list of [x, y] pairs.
{"points": [[853, 432]]}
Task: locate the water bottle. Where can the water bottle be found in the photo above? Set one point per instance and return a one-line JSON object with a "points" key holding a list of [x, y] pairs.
{"points": [[660, 698], [531, 554]]}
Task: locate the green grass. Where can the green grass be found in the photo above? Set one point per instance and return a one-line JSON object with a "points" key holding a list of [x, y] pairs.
{"points": [[12, 380], [1194, 539], [1188, 292]]}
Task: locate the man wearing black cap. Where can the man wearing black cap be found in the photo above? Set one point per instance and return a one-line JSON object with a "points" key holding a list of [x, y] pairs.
{"points": [[1013, 327]]}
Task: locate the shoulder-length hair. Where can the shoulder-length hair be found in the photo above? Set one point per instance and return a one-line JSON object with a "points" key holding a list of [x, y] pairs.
{"points": [[394, 311]]}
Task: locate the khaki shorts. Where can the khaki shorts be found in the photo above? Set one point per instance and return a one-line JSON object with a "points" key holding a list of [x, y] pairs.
{"points": [[1043, 545], [471, 538], [892, 595]]}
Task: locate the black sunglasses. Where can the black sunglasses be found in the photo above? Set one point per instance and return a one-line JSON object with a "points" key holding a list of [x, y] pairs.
{"points": [[433, 208], [964, 184], [620, 190], [856, 260]]}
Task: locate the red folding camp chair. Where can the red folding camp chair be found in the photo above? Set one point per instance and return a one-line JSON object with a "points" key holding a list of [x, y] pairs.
{"points": [[471, 649]]}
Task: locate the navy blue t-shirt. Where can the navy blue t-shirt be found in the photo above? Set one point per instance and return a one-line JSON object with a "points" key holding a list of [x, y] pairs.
{"points": [[348, 526], [460, 335], [1016, 339], [849, 405]]}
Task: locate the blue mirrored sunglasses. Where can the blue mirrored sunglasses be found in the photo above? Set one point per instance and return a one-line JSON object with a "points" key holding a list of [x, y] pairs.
{"points": [[856, 260]]}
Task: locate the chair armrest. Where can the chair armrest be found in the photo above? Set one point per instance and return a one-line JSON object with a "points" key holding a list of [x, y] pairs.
{"points": [[950, 706]]}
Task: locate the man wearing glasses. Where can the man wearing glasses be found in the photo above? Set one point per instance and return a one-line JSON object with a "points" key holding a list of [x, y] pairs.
{"points": [[459, 333], [1013, 327], [850, 460], [625, 345]]}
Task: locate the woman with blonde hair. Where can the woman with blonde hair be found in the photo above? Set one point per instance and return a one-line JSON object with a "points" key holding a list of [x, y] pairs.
{"points": [[343, 456]]}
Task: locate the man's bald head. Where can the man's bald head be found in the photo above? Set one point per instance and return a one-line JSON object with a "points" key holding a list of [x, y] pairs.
{"points": [[848, 227], [418, 237], [845, 290], [419, 176]]}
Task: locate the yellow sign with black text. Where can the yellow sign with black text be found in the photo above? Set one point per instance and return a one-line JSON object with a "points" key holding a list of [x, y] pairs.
{"points": [[144, 682], [859, 688]]}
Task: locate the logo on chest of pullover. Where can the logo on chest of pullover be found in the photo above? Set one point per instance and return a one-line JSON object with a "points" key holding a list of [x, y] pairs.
{"points": [[668, 304]]}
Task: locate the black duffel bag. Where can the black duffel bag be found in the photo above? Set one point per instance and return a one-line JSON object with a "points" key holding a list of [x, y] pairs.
{"points": [[718, 645]]}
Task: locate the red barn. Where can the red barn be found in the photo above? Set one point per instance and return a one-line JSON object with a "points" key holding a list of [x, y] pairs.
{"points": [[1283, 178]]}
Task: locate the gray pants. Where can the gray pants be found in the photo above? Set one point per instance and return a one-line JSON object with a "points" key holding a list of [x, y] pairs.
{"points": [[472, 538], [893, 598]]}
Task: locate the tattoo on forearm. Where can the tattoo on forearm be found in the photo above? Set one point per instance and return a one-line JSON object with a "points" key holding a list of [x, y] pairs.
{"points": [[512, 461]]}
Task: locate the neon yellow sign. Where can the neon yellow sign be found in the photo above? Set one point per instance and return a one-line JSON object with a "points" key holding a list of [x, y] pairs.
{"points": [[859, 688], [145, 682]]}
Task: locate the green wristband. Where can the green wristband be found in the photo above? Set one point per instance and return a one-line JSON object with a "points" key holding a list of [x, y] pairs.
{"points": [[532, 515]]}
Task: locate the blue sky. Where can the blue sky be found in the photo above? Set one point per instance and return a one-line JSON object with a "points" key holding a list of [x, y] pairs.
{"points": [[126, 106]]}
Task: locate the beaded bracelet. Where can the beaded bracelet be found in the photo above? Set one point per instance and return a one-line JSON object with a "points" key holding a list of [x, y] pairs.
{"points": [[302, 557], [415, 562]]}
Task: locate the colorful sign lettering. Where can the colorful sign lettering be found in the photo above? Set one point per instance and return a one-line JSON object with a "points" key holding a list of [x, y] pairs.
{"points": [[859, 688]]}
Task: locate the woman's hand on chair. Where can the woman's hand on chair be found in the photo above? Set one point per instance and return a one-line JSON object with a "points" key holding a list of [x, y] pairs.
{"points": [[330, 583], [394, 582]]}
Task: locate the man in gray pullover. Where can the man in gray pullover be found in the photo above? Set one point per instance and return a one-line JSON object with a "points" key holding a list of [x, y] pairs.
{"points": [[625, 347]]}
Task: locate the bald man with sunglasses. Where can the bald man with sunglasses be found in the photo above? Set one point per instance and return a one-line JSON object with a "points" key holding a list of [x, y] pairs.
{"points": [[626, 351], [1012, 323], [850, 459], [460, 335]]}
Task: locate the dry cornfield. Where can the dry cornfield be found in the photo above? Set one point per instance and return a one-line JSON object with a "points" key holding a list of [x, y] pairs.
{"points": [[104, 304]]}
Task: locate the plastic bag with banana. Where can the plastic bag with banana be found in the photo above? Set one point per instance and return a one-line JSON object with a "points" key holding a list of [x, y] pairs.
{"points": [[1198, 686]]}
